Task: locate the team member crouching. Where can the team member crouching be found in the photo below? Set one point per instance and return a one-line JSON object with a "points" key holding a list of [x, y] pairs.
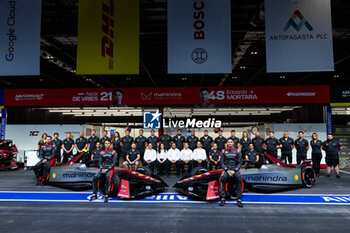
{"points": [[174, 156], [252, 156], [132, 158], [231, 162], [107, 163], [199, 156], [47, 159], [186, 159], [162, 157], [150, 157], [214, 158]]}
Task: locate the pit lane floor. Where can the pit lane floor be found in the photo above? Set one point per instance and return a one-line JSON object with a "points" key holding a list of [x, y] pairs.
{"points": [[169, 217]]}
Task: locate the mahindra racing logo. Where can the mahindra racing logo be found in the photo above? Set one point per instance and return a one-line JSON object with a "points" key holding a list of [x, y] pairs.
{"points": [[34, 133], [297, 27], [108, 33], [147, 97], [301, 94]]}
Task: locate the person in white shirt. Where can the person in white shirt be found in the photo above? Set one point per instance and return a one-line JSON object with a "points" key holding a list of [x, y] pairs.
{"points": [[199, 156], [150, 157], [174, 156], [186, 158], [162, 158]]}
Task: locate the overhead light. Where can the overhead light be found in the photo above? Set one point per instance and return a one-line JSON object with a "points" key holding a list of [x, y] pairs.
{"points": [[282, 77], [234, 77], [336, 76], [253, 53]]}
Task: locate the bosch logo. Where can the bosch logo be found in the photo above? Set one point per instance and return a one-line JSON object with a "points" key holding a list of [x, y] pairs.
{"points": [[199, 24], [34, 133], [199, 55], [107, 46]]}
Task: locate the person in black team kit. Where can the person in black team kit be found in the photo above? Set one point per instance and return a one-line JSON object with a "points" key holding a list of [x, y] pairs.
{"points": [[126, 143], [220, 140], [67, 146], [302, 146], [165, 139], [244, 142], [93, 139], [231, 162], [153, 139], [234, 138], [80, 145], [214, 157], [104, 138], [206, 141], [58, 144], [116, 141], [316, 146], [95, 156], [272, 144], [332, 147], [141, 143], [107, 163], [251, 155], [179, 140], [192, 140], [258, 143], [286, 145], [47, 159], [132, 160]]}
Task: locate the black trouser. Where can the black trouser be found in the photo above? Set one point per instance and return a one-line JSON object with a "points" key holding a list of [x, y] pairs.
{"points": [[300, 158], [243, 153], [261, 157], [212, 164], [316, 162], [235, 179], [177, 165], [183, 164], [103, 179], [286, 156], [124, 155], [203, 164], [142, 153], [161, 166], [66, 156], [58, 156], [42, 169], [150, 165]]}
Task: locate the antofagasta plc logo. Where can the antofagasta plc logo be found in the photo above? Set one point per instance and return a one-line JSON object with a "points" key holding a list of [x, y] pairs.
{"points": [[11, 22]]}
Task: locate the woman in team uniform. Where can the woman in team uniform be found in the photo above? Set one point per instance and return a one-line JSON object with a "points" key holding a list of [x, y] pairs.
{"points": [[244, 141]]}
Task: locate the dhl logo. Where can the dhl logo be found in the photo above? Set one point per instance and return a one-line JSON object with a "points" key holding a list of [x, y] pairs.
{"points": [[107, 46]]}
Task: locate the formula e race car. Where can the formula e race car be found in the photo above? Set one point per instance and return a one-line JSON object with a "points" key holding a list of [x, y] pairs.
{"points": [[273, 177], [126, 183], [7, 152]]}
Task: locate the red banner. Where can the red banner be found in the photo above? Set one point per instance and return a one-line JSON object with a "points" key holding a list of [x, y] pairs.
{"points": [[169, 96]]}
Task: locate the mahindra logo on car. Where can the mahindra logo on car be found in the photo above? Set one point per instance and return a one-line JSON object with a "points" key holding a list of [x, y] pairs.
{"points": [[265, 178], [78, 175], [33, 133]]}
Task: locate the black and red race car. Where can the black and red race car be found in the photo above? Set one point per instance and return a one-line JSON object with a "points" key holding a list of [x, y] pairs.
{"points": [[7, 152], [126, 184], [273, 177]]}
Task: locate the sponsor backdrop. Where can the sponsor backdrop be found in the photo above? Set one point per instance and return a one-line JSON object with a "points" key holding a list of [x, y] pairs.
{"points": [[3, 124], [108, 37], [20, 22], [342, 134], [26, 137], [298, 36], [199, 36], [168, 96], [308, 129]]}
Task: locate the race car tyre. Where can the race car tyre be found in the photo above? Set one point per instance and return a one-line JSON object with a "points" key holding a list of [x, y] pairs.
{"points": [[145, 170], [198, 170], [308, 176]]}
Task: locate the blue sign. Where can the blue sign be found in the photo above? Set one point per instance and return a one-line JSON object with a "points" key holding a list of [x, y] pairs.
{"points": [[329, 120], [151, 120], [291, 199], [2, 97], [3, 123]]}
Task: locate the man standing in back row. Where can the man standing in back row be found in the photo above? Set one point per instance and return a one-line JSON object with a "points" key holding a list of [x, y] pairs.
{"points": [[302, 146], [287, 145], [332, 147]]}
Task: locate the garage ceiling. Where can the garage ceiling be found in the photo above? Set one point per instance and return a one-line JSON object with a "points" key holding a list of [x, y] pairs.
{"points": [[59, 44]]}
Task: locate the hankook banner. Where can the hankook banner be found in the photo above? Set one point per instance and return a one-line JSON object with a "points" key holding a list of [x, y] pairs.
{"points": [[199, 36], [169, 96], [108, 37], [298, 36], [20, 22]]}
